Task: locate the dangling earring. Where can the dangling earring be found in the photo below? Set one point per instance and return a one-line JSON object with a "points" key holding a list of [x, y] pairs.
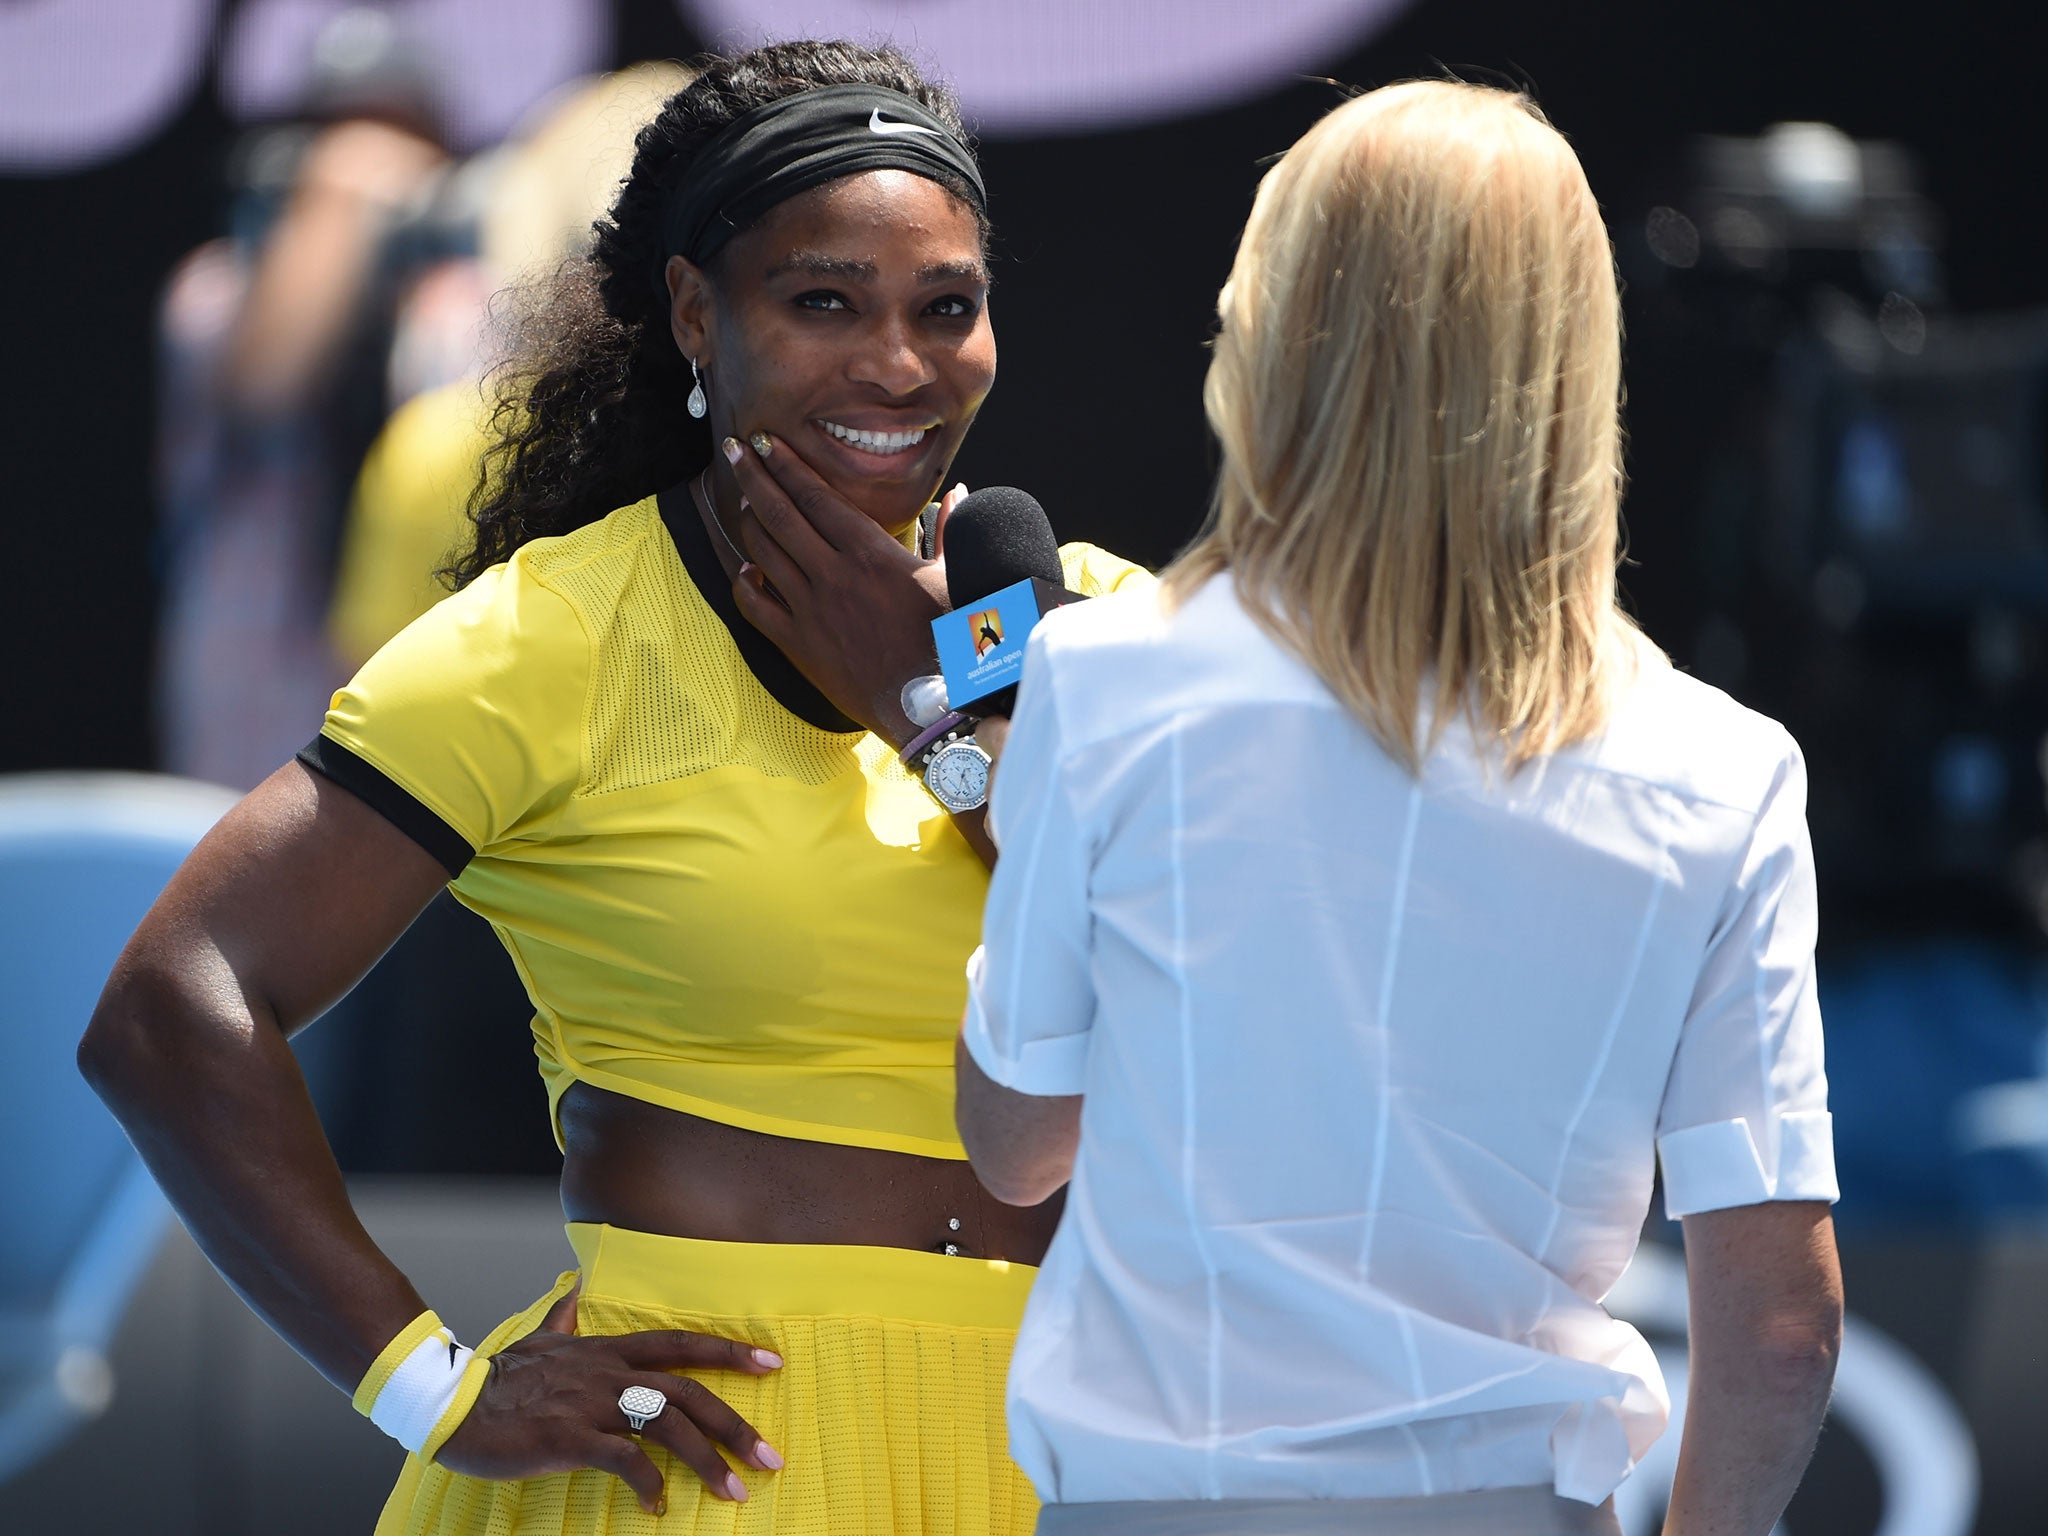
{"points": [[696, 404]]}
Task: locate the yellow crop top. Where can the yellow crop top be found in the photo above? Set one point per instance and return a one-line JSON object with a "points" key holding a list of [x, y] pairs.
{"points": [[723, 896]]}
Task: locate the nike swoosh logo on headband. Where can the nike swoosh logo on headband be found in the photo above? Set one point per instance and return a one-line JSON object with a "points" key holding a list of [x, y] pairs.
{"points": [[879, 124]]}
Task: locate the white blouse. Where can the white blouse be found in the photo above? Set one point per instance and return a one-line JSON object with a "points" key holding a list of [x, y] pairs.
{"points": [[1375, 1065]]}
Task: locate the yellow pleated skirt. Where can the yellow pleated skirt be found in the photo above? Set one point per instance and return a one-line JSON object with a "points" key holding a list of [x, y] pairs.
{"points": [[888, 1409]]}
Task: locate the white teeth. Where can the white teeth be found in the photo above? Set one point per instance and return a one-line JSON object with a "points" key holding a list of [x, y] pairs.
{"points": [[875, 442]]}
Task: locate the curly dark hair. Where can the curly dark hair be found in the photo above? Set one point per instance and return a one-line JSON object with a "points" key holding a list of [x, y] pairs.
{"points": [[589, 412]]}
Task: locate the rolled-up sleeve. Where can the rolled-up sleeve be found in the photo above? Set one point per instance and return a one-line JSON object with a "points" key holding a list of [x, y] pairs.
{"points": [[1744, 1116], [1030, 989]]}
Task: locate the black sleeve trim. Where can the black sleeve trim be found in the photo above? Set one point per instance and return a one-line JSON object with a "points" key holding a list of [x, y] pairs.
{"points": [[389, 799]]}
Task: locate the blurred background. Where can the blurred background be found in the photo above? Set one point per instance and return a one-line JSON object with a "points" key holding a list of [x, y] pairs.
{"points": [[247, 255]]}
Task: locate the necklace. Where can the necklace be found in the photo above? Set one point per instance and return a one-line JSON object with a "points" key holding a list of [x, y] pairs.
{"points": [[702, 492]]}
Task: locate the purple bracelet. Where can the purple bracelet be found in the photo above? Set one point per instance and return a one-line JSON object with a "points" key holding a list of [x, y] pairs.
{"points": [[951, 720]]}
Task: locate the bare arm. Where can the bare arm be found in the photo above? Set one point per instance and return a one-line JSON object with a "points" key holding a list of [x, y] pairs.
{"points": [[1766, 1327], [318, 262], [1021, 1145], [278, 912]]}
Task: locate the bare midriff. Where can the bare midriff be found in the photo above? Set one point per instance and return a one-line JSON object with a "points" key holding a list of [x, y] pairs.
{"points": [[637, 1165]]}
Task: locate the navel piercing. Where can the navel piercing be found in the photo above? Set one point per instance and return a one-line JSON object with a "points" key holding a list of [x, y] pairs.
{"points": [[696, 404], [952, 1223]]}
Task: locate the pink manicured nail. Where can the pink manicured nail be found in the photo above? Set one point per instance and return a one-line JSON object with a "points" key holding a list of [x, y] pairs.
{"points": [[736, 1488], [733, 450], [768, 1456], [767, 1357]]}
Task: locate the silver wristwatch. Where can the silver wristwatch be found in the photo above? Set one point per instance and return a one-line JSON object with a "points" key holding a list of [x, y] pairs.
{"points": [[952, 764]]}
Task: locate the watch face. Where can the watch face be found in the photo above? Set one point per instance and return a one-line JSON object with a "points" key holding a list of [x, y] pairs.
{"points": [[958, 776]]}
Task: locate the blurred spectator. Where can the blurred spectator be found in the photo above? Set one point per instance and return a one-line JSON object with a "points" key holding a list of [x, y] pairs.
{"points": [[540, 195], [275, 341], [406, 516]]}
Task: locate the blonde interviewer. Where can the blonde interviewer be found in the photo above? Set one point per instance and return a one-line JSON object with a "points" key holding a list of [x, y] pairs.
{"points": [[1377, 905]]}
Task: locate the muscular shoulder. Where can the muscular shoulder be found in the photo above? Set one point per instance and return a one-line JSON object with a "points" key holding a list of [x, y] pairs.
{"points": [[479, 708], [529, 630]]}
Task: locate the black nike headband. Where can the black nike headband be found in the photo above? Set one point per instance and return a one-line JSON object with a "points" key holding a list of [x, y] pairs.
{"points": [[790, 145]]}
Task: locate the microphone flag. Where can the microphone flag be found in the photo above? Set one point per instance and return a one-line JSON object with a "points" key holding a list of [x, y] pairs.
{"points": [[981, 645]]}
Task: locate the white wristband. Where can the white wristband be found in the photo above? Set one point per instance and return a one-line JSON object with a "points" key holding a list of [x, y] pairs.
{"points": [[421, 1390], [411, 1396]]}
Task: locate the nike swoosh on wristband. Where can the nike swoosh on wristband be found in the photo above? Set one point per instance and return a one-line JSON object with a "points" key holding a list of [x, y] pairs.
{"points": [[879, 124]]}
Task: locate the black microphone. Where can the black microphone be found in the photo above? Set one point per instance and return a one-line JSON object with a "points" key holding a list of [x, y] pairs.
{"points": [[996, 538]]}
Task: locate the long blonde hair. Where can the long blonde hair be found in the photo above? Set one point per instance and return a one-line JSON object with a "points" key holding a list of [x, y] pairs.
{"points": [[1417, 389]]}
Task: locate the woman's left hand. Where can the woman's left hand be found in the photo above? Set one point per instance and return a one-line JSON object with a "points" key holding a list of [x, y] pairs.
{"points": [[845, 602]]}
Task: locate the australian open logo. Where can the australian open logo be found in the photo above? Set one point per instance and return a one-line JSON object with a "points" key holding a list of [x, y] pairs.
{"points": [[987, 628]]}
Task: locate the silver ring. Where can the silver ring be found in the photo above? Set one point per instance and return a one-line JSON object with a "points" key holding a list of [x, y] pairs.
{"points": [[639, 1404]]}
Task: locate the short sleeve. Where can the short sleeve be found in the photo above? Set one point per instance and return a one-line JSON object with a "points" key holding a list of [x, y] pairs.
{"points": [[469, 722], [1745, 1117], [1095, 572], [1030, 991]]}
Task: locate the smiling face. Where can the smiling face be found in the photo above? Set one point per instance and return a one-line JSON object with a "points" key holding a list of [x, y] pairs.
{"points": [[852, 323]]}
